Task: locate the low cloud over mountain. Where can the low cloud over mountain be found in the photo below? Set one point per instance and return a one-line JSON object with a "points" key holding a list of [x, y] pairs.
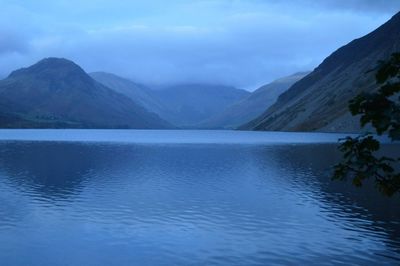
{"points": [[240, 43]]}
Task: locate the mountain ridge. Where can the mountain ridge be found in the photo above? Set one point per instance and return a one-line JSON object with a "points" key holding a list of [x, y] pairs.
{"points": [[184, 105], [319, 102], [253, 105], [138, 93]]}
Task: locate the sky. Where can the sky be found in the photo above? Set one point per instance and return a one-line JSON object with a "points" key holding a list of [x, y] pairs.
{"points": [[242, 43]]}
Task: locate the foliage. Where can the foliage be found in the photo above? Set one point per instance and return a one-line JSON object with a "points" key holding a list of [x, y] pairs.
{"points": [[382, 110]]}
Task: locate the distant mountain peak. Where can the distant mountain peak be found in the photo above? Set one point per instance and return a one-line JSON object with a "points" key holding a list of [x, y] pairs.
{"points": [[56, 61], [52, 67]]}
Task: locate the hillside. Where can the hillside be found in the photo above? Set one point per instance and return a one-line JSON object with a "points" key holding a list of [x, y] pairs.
{"points": [[253, 105], [319, 101], [58, 93], [187, 105], [182, 105], [138, 93]]}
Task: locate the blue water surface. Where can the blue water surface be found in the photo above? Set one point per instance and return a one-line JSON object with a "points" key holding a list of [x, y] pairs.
{"points": [[139, 197]]}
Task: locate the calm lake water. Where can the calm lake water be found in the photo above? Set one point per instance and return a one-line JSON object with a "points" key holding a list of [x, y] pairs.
{"points": [[122, 197]]}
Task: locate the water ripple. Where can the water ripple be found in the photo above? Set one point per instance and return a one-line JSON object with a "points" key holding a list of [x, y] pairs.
{"points": [[124, 204]]}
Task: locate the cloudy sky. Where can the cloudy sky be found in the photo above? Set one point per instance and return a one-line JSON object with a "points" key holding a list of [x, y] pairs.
{"points": [[244, 43]]}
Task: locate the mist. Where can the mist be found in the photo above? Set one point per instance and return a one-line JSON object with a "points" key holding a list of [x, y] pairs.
{"points": [[238, 43]]}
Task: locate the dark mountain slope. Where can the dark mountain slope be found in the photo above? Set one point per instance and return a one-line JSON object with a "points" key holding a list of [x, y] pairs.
{"points": [[319, 101], [58, 93]]}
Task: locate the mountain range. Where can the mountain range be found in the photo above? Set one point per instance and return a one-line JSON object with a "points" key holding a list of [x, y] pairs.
{"points": [[319, 101], [183, 105], [57, 93]]}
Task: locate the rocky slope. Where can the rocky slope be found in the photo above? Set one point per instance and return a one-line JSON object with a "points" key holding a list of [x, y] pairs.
{"points": [[319, 101]]}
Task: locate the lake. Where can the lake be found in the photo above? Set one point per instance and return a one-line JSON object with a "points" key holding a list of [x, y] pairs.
{"points": [[143, 197]]}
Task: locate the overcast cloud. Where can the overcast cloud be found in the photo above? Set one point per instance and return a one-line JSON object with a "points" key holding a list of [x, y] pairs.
{"points": [[244, 43]]}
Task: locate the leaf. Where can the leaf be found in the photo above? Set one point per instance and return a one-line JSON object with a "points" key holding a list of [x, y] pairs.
{"points": [[359, 154], [388, 69]]}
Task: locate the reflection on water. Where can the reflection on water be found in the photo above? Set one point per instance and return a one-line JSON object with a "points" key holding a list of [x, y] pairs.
{"points": [[123, 204]]}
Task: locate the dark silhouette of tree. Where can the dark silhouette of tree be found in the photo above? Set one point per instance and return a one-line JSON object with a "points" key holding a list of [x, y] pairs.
{"points": [[382, 110]]}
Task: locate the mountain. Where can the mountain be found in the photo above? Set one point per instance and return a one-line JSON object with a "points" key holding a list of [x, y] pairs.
{"points": [[182, 105], [319, 102], [253, 105], [138, 93], [189, 104], [58, 93]]}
